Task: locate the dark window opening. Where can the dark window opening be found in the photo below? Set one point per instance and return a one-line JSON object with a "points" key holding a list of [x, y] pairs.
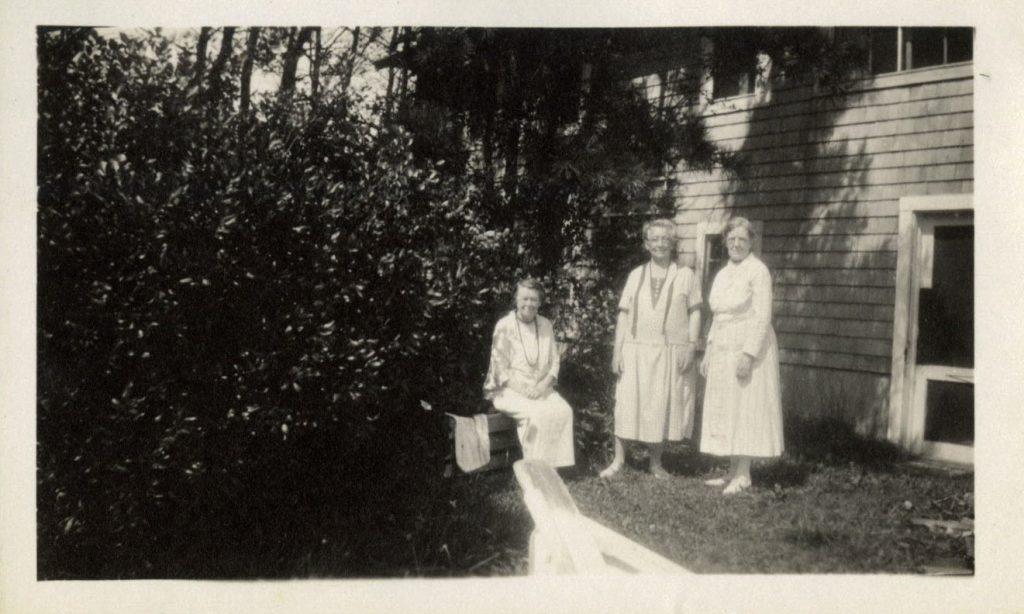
{"points": [[946, 309], [735, 67], [923, 47], [883, 50], [959, 45], [950, 415], [715, 257]]}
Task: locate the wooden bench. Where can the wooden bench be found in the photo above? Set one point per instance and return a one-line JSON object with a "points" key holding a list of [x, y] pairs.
{"points": [[504, 443], [564, 541], [504, 439]]}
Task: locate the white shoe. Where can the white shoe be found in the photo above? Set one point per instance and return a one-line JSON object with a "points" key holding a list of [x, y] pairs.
{"points": [[715, 482], [737, 485]]}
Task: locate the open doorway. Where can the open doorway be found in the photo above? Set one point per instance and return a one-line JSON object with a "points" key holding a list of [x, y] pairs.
{"points": [[932, 402]]}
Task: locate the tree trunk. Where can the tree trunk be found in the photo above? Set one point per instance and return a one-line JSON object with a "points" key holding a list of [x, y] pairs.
{"points": [[389, 94], [246, 81], [405, 82], [296, 43], [314, 79], [513, 109], [217, 69], [490, 110], [223, 56], [201, 45], [350, 64]]}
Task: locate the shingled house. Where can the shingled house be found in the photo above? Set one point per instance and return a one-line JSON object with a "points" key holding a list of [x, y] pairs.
{"points": [[863, 202], [862, 198]]}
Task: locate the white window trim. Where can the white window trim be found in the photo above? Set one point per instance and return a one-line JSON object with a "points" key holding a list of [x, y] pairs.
{"points": [[707, 227], [903, 355]]}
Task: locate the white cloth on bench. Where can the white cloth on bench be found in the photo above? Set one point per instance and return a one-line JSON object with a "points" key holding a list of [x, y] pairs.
{"points": [[472, 442]]}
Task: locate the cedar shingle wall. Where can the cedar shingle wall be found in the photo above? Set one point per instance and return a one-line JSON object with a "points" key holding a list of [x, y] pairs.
{"points": [[826, 180]]}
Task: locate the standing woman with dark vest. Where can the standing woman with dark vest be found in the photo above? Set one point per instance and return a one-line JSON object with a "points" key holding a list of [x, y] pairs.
{"points": [[658, 323]]}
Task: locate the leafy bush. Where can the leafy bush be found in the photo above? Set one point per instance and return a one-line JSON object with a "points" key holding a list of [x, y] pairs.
{"points": [[251, 320], [238, 315]]}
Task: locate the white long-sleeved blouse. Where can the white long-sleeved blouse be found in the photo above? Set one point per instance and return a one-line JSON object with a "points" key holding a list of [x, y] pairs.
{"points": [[523, 352], [743, 292]]}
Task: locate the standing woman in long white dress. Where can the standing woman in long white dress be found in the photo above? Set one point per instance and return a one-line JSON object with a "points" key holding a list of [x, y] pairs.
{"points": [[521, 379], [742, 416]]}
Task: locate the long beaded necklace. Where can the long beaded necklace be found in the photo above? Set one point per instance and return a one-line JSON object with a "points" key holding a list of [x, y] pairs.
{"points": [[657, 283], [536, 334]]}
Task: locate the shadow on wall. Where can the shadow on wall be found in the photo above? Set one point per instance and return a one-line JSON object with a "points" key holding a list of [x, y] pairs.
{"points": [[831, 252], [859, 400]]}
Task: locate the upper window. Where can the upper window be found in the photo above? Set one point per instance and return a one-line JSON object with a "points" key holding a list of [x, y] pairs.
{"points": [[934, 46], [882, 52], [897, 49], [737, 69], [733, 66], [733, 77]]}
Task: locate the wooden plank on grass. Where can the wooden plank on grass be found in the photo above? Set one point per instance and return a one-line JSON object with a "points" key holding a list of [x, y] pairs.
{"points": [[627, 555], [562, 543]]}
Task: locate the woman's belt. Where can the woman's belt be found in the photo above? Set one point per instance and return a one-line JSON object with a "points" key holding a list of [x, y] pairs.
{"points": [[729, 318], [657, 342]]}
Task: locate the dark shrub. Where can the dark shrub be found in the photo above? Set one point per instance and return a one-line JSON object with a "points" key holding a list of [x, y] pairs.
{"points": [[238, 316]]}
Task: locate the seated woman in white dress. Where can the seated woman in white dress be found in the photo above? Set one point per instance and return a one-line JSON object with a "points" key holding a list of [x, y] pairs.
{"points": [[521, 378]]}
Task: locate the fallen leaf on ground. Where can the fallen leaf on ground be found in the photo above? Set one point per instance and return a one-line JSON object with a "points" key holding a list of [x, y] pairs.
{"points": [[950, 527]]}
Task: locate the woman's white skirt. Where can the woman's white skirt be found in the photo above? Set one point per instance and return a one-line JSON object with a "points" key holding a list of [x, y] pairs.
{"points": [[741, 417], [544, 425], [653, 400]]}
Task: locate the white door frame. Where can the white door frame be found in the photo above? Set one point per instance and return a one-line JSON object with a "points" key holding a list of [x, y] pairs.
{"points": [[906, 423]]}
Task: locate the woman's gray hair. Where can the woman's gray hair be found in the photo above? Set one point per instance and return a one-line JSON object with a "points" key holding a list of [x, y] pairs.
{"points": [[663, 223], [739, 222], [530, 283]]}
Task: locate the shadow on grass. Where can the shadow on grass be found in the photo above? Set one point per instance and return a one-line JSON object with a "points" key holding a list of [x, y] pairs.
{"points": [[386, 513], [833, 442], [785, 473], [688, 462]]}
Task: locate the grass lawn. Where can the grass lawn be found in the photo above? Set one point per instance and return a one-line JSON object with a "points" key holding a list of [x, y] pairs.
{"points": [[832, 504], [803, 515], [798, 518]]}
